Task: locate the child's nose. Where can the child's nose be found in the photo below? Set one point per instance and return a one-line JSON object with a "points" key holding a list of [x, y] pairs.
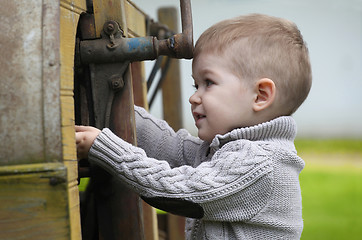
{"points": [[195, 98]]}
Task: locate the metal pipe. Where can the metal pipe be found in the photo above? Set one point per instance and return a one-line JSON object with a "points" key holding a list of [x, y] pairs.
{"points": [[180, 45], [144, 48], [123, 49]]}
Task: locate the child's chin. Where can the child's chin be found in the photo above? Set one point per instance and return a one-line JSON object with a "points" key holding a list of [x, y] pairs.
{"points": [[204, 138]]}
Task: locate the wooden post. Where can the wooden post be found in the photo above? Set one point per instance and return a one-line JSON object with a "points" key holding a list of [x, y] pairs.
{"points": [[110, 210], [172, 109], [171, 87], [140, 96], [69, 15], [119, 210]]}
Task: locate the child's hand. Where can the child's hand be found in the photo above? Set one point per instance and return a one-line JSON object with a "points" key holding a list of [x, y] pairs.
{"points": [[84, 138]]}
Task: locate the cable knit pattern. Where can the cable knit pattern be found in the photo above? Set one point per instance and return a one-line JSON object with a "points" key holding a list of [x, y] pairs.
{"points": [[246, 181]]}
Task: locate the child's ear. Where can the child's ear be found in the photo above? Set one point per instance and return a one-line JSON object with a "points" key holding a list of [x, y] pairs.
{"points": [[265, 94]]}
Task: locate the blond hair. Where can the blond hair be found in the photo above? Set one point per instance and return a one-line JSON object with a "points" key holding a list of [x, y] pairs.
{"points": [[260, 46]]}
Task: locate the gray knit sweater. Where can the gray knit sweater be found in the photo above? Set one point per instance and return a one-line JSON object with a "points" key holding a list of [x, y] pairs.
{"points": [[244, 185]]}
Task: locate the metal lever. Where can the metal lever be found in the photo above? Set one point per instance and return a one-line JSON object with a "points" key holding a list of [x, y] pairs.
{"points": [[116, 48]]}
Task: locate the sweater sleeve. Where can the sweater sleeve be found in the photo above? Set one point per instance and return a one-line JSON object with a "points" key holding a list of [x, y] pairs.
{"points": [[160, 141], [215, 190]]}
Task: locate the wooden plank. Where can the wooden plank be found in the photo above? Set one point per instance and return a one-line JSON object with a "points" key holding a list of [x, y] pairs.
{"points": [[33, 202], [139, 84], [68, 28], [74, 6], [32, 206], [25, 70], [70, 11], [128, 15], [109, 10], [136, 20], [50, 80]]}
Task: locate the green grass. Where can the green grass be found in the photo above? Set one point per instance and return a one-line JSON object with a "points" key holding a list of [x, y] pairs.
{"points": [[322, 146], [332, 202], [331, 188]]}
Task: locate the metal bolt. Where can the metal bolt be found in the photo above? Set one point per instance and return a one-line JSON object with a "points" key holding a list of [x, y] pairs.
{"points": [[117, 82], [53, 181], [110, 27]]}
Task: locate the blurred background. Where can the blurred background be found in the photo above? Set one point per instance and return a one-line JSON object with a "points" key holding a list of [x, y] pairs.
{"points": [[333, 32], [329, 122]]}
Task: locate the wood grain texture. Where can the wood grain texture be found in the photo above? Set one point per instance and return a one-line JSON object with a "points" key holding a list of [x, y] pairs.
{"points": [[70, 11], [34, 202]]}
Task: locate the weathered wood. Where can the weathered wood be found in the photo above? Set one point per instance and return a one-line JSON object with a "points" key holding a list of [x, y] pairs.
{"points": [[172, 110], [119, 210], [136, 23], [171, 87], [109, 10], [37, 123], [136, 20], [140, 98], [139, 84], [29, 86], [69, 16], [37, 115], [34, 202], [128, 15]]}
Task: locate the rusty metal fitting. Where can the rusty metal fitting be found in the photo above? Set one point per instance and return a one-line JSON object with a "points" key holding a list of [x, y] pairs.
{"points": [[180, 45], [126, 49], [111, 28], [117, 82], [116, 48]]}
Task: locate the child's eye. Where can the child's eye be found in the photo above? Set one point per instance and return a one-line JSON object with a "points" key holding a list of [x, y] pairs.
{"points": [[195, 86], [208, 82]]}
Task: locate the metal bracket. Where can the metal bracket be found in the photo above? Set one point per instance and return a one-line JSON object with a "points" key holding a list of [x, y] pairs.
{"points": [[106, 80]]}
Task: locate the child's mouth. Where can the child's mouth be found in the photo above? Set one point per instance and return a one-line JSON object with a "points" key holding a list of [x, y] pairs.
{"points": [[198, 117]]}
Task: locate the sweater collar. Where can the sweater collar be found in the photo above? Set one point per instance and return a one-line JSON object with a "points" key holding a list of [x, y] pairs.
{"points": [[279, 129]]}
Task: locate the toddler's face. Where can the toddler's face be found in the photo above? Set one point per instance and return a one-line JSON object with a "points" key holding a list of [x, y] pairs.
{"points": [[222, 101]]}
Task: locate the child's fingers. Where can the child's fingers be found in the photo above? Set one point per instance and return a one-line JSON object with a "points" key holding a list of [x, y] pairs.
{"points": [[78, 137], [79, 128]]}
